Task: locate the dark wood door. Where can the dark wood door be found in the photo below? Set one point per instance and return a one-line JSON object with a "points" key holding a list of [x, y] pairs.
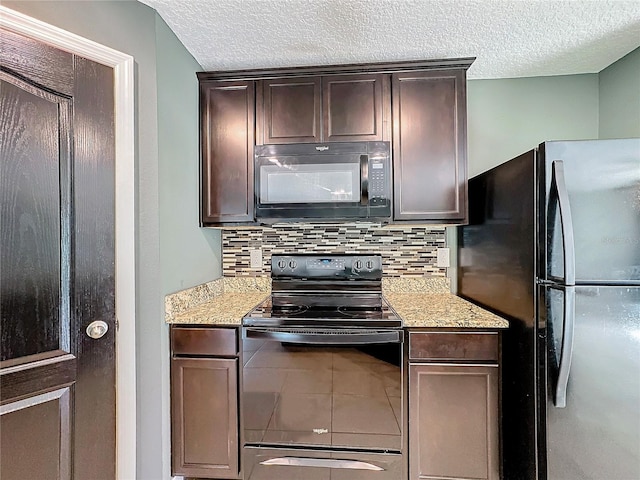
{"points": [[352, 107], [429, 146], [453, 422], [227, 136], [57, 151], [290, 110]]}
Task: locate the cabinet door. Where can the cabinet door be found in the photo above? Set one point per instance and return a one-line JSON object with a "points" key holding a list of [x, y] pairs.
{"points": [[429, 146], [291, 110], [352, 107], [204, 399], [453, 422], [227, 135]]}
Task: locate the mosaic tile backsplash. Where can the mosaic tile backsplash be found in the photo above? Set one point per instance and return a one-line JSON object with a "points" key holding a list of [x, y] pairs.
{"points": [[406, 251]]}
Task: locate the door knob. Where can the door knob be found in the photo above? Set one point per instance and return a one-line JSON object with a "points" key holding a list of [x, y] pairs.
{"points": [[97, 329]]}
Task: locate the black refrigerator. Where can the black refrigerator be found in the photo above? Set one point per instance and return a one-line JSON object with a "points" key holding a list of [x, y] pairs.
{"points": [[553, 245]]}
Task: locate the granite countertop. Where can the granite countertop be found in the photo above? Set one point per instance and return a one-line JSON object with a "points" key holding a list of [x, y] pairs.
{"points": [[421, 303], [225, 309], [444, 310], [223, 301]]}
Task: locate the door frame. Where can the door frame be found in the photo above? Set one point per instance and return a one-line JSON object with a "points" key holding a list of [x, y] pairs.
{"points": [[123, 68]]}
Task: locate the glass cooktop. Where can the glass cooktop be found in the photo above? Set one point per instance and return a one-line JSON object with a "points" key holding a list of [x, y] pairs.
{"points": [[267, 314]]}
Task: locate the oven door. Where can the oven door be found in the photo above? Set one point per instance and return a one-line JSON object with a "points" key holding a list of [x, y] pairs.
{"points": [[332, 389], [322, 403]]}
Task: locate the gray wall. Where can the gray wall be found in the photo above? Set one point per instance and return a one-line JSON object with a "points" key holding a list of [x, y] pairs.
{"points": [[508, 117], [172, 252], [620, 98], [189, 255]]}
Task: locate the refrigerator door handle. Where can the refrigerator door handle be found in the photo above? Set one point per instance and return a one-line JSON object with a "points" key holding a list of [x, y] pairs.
{"points": [[566, 353], [559, 189]]}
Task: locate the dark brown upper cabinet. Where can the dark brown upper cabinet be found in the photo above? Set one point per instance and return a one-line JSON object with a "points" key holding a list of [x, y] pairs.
{"points": [[314, 109], [419, 106], [429, 146], [352, 107], [227, 110], [291, 110]]}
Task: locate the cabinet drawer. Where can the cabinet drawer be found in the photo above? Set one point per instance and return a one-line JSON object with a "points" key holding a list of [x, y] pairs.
{"points": [[204, 341], [454, 346]]}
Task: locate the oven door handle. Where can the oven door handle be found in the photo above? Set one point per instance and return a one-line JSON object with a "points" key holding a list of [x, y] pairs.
{"points": [[325, 337], [323, 462]]}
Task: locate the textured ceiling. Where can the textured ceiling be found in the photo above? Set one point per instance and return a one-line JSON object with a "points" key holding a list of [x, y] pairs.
{"points": [[514, 38]]}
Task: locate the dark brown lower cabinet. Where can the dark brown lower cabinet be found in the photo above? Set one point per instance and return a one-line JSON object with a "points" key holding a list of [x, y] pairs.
{"points": [[204, 403], [453, 418]]}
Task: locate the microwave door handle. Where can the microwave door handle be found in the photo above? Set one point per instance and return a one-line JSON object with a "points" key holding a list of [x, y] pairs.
{"points": [[364, 180]]}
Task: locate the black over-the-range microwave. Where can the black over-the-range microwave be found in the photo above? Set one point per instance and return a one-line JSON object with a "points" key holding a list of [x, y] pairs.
{"points": [[323, 182]]}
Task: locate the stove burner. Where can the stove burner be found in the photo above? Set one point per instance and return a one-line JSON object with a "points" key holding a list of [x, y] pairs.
{"points": [[289, 310], [359, 312]]}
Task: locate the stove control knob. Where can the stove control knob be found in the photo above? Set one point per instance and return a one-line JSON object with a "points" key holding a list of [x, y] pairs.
{"points": [[357, 265], [369, 264], [282, 264], [293, 264]]}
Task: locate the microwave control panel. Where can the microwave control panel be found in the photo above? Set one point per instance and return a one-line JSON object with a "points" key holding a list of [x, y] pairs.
{"points": [[378, 190]]}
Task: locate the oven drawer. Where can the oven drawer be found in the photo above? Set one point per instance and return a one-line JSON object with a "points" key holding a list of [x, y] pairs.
{"points": [[454, 346], [268, 463], [204, 341]]}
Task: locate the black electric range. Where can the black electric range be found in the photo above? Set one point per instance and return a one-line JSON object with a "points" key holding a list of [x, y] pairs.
{"points": [[323, 375], [325, 291]]}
